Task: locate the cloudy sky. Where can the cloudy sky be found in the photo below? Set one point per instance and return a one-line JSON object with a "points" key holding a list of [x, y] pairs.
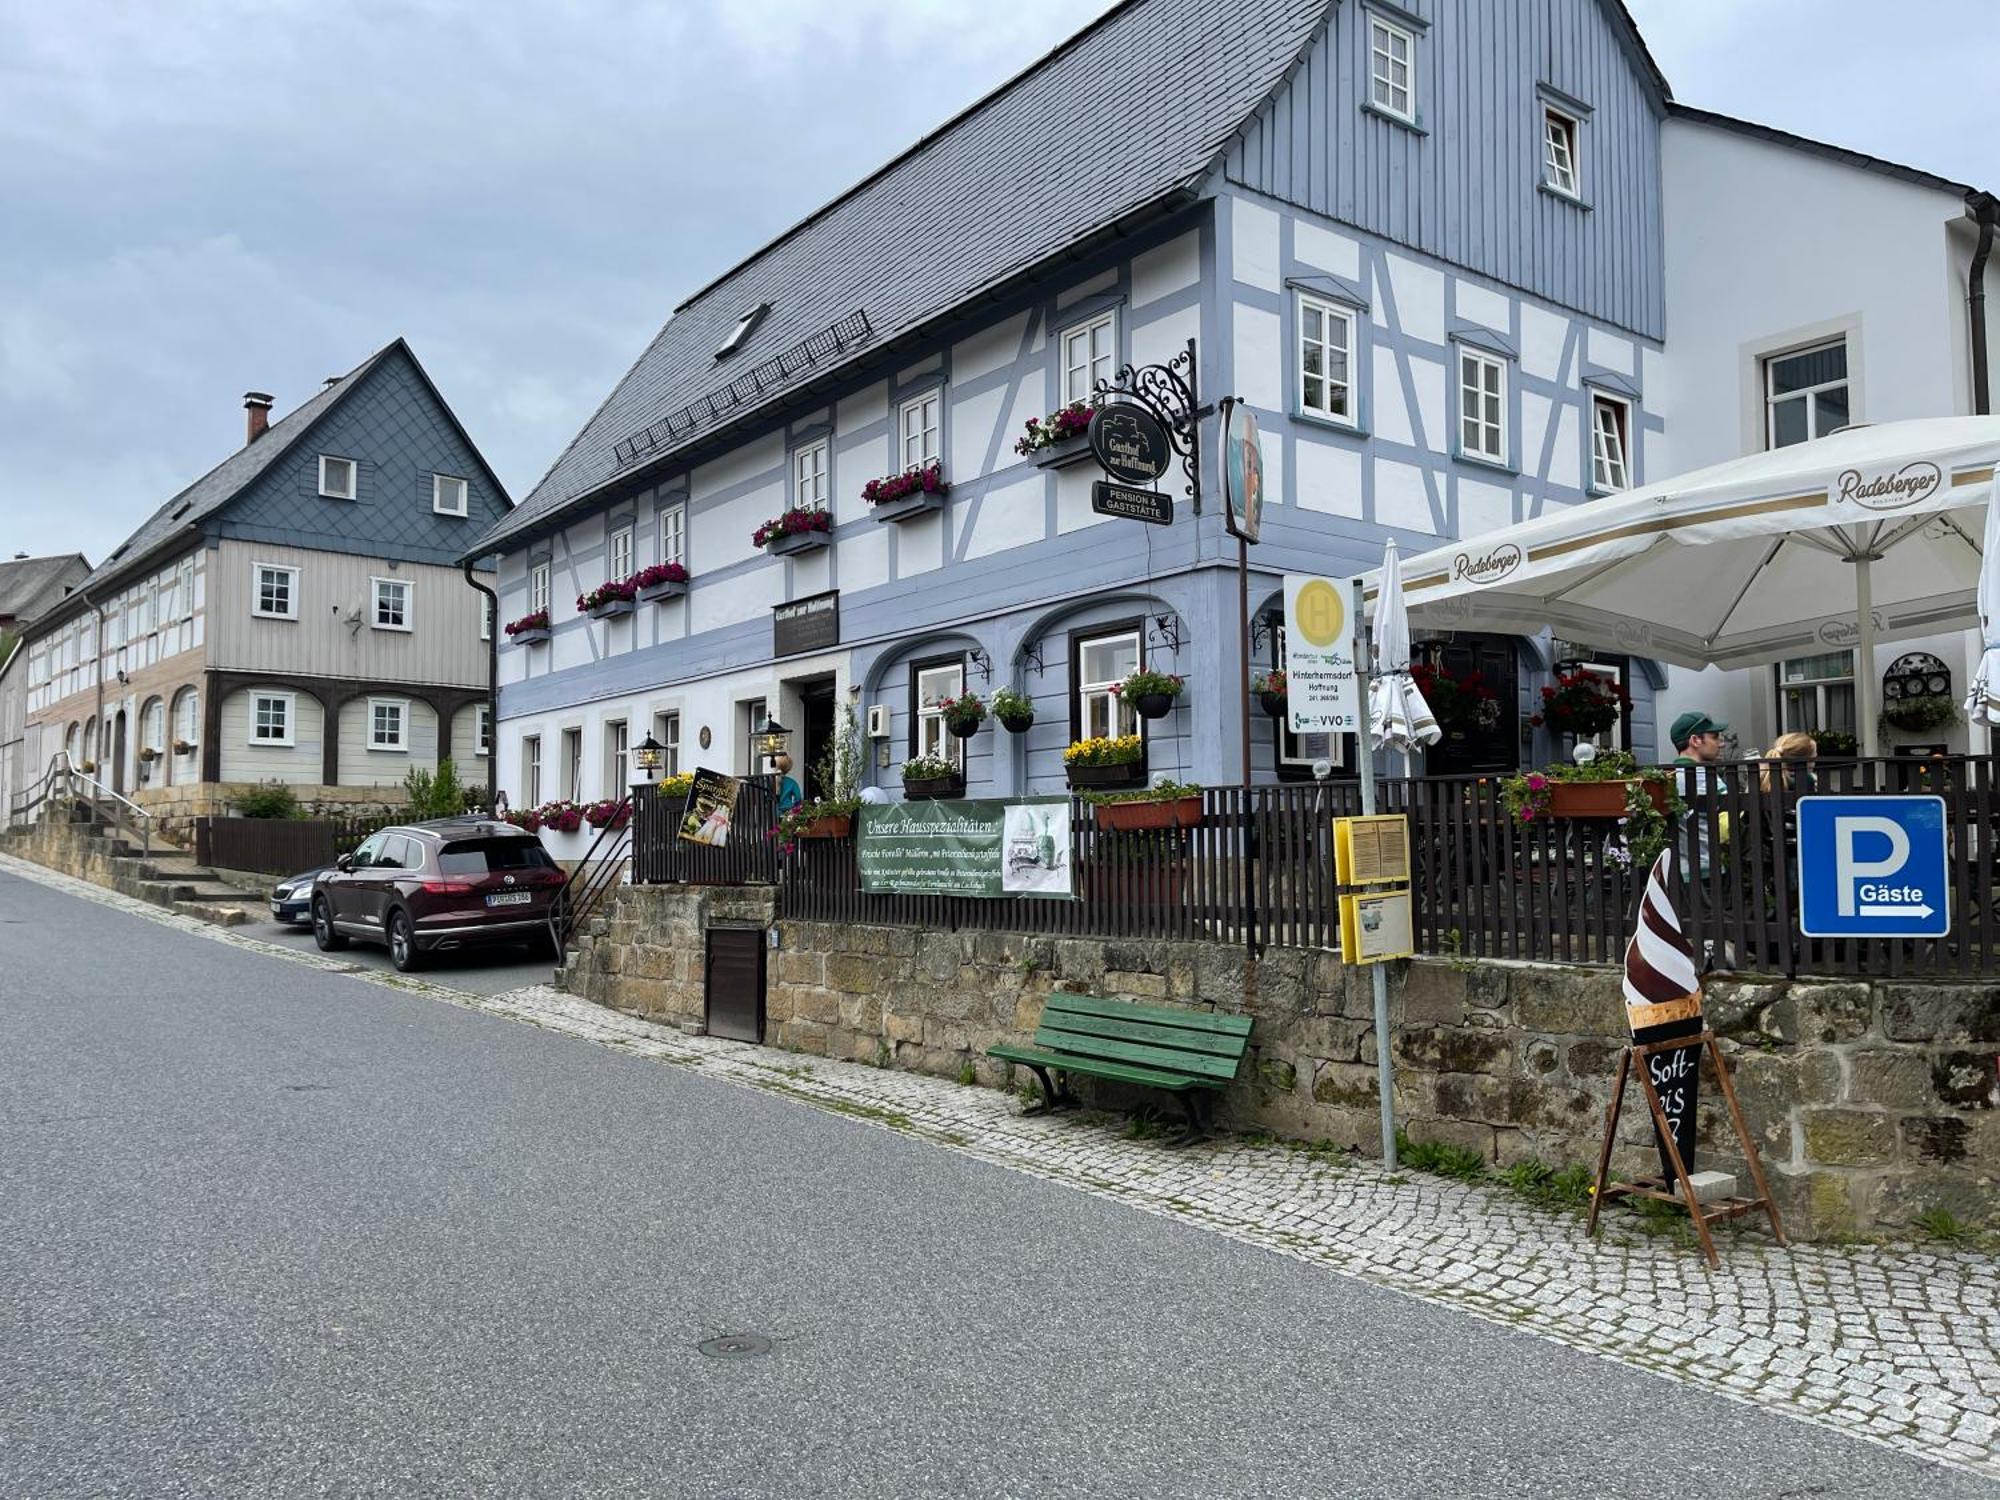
{"points": [[211, 196]]}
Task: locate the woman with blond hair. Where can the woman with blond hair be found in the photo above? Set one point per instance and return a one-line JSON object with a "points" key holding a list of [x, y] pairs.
{"points": [[1791, 755]]}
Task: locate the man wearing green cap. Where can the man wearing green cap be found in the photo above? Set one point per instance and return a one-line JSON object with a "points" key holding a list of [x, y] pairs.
{"points": [[1698, 744]]}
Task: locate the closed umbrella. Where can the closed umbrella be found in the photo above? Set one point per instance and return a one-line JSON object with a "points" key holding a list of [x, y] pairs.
{"points": [[1398, 716], [1983, 702]]}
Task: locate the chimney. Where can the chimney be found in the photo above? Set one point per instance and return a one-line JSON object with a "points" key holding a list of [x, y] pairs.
{"points": [[257, 406]]}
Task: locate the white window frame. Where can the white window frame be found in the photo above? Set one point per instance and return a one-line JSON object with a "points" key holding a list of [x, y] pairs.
{"points": [[531, 770], [401, 743], [409, 610], [438, 484], [928, 436], [353, 490], [1787, 684], [1471, 361], [673, 535], [1082, 369], [191, 730], [930, 736], [1328, 313], [1119, 714], [486, 612], [482, 730], [538, 586], [1383, 33], [291, 709], [257, 572], [1562, 152], [667, 731], [1609, 471], [618, 564], [617, 757], [1810, 394], [812, 475], [570, 742]]}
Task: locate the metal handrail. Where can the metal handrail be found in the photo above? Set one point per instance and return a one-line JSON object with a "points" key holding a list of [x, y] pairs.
{"points": [[133, 819], [592, 876]]}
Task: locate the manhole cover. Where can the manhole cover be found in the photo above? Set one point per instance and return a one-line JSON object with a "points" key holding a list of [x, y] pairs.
{"points": [[735, 1346]]}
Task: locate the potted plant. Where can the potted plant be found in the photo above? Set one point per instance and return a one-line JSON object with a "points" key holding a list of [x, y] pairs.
{"points": [[1614, 785], [1171, 804], [803, 528], [1114, 761], [149, 754], [1015, 711], [928, 778], [530, 628], [661, 581], [1059, 439], [615, 596], [563, 816], [1582, 704], [184, 747], [839, 776], [897, 496], [962, 715], [614, 812], [1272, 694], [1920, 713], [1151, 693], [1461, 705], [89, 768]]}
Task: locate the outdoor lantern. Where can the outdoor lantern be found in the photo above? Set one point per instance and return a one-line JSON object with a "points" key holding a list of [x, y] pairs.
{"points": [[648, 756], [769, 741]]}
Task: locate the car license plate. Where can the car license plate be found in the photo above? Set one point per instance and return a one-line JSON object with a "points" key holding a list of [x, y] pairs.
{"points": [[511, 898]]}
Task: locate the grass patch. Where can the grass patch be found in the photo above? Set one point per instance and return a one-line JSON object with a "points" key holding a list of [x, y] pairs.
{"points": [[1441, 1159], [1144, 1124], [967, 1073], [1944, 1226], [1550, 1187]]}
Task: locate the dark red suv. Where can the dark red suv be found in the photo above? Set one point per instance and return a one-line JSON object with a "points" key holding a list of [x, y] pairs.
{"points": [[447, 884]]}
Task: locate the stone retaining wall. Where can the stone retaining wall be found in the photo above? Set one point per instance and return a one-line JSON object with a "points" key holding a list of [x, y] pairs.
{"points": [[1871, 1102]]}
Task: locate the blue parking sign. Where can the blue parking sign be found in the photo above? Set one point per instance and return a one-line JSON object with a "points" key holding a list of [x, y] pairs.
{"points": [[1873, 867]]}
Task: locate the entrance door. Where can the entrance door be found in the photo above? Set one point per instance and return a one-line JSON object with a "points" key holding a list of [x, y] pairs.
{"points": [[118, 753], [816, 733], [733, 984], [1470, 747]]}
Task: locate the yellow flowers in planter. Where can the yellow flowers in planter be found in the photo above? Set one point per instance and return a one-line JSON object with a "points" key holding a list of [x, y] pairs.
{"points": [[1121, 750]]}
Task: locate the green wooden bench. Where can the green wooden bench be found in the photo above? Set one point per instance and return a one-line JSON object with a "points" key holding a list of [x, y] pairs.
{"points": [[1190, 1052]]}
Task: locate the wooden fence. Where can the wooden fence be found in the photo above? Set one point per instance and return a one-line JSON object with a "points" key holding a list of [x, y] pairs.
{"points": [[1258, 870], [277, 846]]}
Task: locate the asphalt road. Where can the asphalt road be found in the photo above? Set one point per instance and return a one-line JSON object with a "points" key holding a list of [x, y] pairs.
{"points": [[480, 971], [271, 1231]]}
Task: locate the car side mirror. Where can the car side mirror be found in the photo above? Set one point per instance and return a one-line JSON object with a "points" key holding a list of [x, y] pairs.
{"points": [[345, 864]]}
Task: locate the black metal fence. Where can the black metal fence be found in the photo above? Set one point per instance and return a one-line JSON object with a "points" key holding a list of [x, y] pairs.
{"points": [[660, 856]]}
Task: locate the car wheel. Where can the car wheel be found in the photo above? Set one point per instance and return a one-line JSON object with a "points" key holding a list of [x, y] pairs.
{"points": [[403, 950], [322, 925]]}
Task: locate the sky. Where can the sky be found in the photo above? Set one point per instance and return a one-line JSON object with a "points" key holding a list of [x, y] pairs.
{"points": [[214, 196]]}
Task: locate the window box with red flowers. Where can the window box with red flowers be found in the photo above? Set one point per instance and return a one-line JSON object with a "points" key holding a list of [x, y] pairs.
{"points": [[530, 628], [1060, 439], [615, 596], [897, 497], [614, 812], [1583, 704], [1461, 705], [661, 581], [803, 528]]}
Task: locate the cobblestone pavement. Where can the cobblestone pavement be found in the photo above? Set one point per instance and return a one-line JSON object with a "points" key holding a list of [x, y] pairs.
{"points": [[1896, 1343]]}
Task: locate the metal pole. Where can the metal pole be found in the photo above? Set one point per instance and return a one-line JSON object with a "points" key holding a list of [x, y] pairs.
{"points": [[1243, 625], [1864, 666], [1385, 1076]]}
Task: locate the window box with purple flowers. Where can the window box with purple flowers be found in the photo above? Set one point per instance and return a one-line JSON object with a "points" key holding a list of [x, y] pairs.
{"points": [[804, 528], [1060, 439], [897, 497], [615, 596], [661, 581], [531, 629]]}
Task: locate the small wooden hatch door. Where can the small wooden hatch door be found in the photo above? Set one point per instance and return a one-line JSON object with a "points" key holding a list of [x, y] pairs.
{"points": [[733, 983]]}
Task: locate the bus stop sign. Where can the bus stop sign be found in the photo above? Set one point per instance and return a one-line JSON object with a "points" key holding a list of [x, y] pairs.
{"points": [[1873, 867]]}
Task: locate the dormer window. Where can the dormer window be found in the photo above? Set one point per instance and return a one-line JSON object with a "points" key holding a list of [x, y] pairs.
{"points": [[337, 477], [745, 326], [1559, 153]]}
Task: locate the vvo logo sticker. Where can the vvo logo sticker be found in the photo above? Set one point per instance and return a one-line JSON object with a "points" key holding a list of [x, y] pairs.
{"points": [[1910, 485], [1873, 867], [1489, 568]]}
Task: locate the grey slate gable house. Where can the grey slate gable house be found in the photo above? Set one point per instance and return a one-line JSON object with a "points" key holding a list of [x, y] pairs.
{"points": [[296, 614], [31, 586]]}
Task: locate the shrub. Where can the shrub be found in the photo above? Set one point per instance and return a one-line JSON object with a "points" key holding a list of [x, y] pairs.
{"points": [[434, 794], [267, 799]]}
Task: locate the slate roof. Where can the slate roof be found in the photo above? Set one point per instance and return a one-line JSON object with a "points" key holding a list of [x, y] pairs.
{"points": [[1133, 109], [29, 586]]}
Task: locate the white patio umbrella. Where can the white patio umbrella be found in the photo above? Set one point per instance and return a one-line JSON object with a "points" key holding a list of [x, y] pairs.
{"points": [[1855, 538], [1398, 716], [1982, 702]]}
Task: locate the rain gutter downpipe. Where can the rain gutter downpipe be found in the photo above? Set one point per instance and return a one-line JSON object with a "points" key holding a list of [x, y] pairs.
{"points": [[492, 690], [1984, 210], [98, 654]]}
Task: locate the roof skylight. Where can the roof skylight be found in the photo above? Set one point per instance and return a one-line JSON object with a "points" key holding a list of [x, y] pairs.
{"points": [[745, 326]]}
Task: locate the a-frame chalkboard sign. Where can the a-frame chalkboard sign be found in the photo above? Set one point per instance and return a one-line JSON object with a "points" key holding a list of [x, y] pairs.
{"points": [[1663, 1007]]}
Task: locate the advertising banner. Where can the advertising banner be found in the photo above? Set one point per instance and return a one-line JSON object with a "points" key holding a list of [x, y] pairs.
{"points": [[711, 805], [1323, 694], [973, 847]]}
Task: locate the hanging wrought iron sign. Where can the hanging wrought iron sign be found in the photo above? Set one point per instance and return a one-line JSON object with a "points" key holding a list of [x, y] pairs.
{"points": [[1167, 395], [1130, 442]]}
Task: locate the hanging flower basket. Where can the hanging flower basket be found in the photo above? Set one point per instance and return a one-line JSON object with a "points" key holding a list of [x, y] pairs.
{"points": [[1015, 711], [1152, 694], [1583, 704], [962, 715], [1459, 704], [149, 754], [1272, 693]]}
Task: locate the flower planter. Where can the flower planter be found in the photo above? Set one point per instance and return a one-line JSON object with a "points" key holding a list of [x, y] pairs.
{"points": [[1128, 817], [964, 729], [918, 504], [1154, 705], [798, 541], [665, 589], [610, 609], [1063, 455], [529, 637], [1598, 799], [933, 788], [1018, 724], [835, 827], [1100, 778], [1274, 704]]}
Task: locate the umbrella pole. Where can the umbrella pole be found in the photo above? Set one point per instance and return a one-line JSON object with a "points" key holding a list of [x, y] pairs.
{"points": [[1364, 743], [1864, 666]]}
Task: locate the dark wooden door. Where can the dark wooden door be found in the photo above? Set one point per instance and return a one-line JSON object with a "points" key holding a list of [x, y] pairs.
{"points": [[817, 734], [118, 754], [733, 990], [1496, 746]]}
